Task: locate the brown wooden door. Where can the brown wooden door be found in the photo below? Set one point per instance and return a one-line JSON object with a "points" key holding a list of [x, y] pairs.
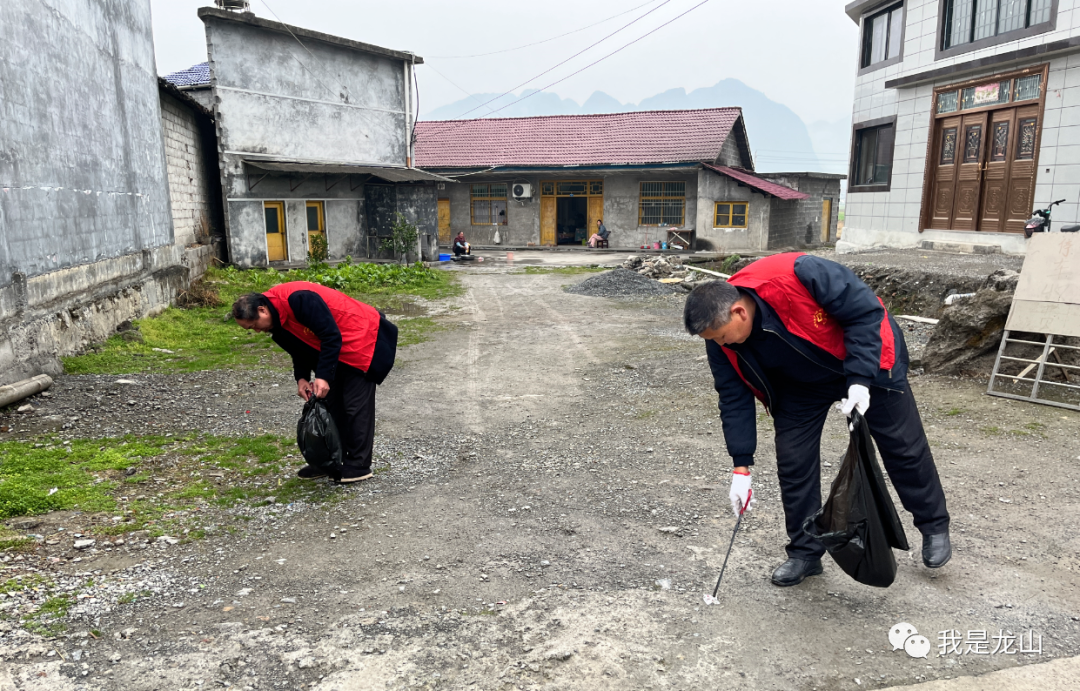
{"points": [[1022, 170], [943, 167], [996, 179], [444, 221], [547, 220], [970, 160]]}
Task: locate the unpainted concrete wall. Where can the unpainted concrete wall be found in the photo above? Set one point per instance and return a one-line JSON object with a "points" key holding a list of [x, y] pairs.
{"points": [[268, 104], [86, 234], [712, 188], [82, 162], [314, 101]]}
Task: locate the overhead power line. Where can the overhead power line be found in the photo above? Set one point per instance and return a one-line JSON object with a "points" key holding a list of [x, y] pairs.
{"points": [[579, 71], [546, 40], [560, 64]]}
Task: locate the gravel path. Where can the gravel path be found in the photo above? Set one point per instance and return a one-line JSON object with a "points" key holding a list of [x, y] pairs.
{"points": [[550, 507]]}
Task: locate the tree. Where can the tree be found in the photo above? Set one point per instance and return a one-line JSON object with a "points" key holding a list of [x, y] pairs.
{"points": [[402, 239]]}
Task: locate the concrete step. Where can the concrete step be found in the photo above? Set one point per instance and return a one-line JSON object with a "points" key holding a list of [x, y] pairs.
{"points": [[961, 247]]}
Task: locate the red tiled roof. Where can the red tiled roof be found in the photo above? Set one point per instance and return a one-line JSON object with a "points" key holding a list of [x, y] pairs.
{"points": [[764, 186], [662, 136]]}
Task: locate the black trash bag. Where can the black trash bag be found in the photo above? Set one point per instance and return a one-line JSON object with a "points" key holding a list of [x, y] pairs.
{"points": [[317, 436], [858, 524]]}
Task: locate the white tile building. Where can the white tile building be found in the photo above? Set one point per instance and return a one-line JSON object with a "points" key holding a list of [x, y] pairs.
{"points": [[966, 117]]}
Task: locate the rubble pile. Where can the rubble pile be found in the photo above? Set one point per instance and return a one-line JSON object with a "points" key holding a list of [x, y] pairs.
{"points": [[659, 267], [620, 283], [972, 326]]}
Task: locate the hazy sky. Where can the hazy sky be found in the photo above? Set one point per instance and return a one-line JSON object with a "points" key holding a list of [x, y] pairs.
{"points": [[801, 53]]}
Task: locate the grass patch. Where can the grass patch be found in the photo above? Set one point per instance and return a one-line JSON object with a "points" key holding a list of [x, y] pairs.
{"points": [[178, 477], [565, 270], [990, 430], [202, 338], [16, 544], [416, 330], [953, 412]]}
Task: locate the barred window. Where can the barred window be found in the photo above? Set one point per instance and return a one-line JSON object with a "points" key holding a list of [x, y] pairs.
{"points": [[967, 21], [489, 204], [662, 204], [730, 215]]}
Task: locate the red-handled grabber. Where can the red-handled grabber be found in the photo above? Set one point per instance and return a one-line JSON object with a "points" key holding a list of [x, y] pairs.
{"points": [[711, 599]]}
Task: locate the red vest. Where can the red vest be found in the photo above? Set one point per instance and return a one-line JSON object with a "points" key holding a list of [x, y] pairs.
{"points": [[774, 280], [357, 322]]}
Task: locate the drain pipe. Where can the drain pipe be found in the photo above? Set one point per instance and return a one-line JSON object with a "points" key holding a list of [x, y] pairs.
{"points": [[11, 393]]}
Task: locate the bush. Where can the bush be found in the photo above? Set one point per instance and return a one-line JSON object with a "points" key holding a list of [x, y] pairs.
{"points": [[318, 251]]}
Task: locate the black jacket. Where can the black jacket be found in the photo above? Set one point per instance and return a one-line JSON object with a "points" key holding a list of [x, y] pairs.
{"points": [[772, 357]]}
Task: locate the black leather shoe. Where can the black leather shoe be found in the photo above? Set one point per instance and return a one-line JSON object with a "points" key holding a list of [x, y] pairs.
{"points": [[793, 571], [936, 550]]}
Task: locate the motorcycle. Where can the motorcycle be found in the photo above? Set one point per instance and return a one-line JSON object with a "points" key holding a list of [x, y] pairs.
{"points": [[1040, 222]]}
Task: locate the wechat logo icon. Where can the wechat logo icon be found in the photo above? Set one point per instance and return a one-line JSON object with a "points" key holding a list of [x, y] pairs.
{"points": [[904, 635]]}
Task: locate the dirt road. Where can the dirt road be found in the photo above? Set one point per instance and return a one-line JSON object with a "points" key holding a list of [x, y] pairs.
{"points": [[552, 503]]}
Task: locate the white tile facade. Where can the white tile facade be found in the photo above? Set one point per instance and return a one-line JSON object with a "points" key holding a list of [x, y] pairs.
{"points": [[892, 218]]}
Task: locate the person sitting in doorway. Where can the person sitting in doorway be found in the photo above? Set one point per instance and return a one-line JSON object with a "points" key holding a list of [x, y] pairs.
{"points": [[460, 246], [601, 233]]}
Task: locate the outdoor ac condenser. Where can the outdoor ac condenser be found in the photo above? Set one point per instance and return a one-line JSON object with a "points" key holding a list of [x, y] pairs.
{"points": [[522, 190]]}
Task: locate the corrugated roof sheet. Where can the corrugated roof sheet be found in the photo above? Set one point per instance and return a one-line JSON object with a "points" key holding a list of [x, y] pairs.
{"points": [[759, 184], [196, 75], [663, 136]]}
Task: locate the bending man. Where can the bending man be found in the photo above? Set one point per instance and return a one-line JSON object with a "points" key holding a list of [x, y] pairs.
{"points": [[798, 333], [349, 345]]}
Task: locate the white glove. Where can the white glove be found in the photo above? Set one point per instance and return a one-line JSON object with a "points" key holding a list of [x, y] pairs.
{"points": [[741, 495], [858, 398]]}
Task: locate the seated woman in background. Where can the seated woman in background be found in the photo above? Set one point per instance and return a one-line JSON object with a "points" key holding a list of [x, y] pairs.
{"points": [[460, 246], [601, 233]]}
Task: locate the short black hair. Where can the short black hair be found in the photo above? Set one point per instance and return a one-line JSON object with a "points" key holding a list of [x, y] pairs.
{"points": [[247, 306], [708, 306]]}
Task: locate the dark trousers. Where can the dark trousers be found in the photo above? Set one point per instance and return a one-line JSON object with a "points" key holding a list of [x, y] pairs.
{"points": [[898, 432], [351, 403]]}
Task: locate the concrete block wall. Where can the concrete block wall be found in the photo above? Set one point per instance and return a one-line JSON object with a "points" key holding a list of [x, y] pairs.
{"points": [[798, 223], [194, 186], [892, 218]]}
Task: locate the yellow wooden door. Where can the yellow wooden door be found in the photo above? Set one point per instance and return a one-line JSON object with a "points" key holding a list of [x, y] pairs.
{"points": [[275, 231], [316, 222], [444, 221], [596, 213], [547, 220], [826, 219]]}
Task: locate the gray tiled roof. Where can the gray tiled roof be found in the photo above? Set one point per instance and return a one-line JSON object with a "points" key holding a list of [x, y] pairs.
{"points": [[196, 75]]}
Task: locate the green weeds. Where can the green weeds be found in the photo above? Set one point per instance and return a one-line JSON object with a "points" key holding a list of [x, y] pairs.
{"points": [[176, 478], [204, 338]]}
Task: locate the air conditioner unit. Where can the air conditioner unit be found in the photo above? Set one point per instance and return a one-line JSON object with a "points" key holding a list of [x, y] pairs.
{"points": [[242, 5], [521, 190]]}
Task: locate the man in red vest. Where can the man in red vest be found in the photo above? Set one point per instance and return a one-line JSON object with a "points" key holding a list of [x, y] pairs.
{"points": [[350, 347], [799, 333]]}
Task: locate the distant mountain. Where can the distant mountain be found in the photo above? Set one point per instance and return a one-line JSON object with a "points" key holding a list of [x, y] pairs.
{"points": [[779, 139]]}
